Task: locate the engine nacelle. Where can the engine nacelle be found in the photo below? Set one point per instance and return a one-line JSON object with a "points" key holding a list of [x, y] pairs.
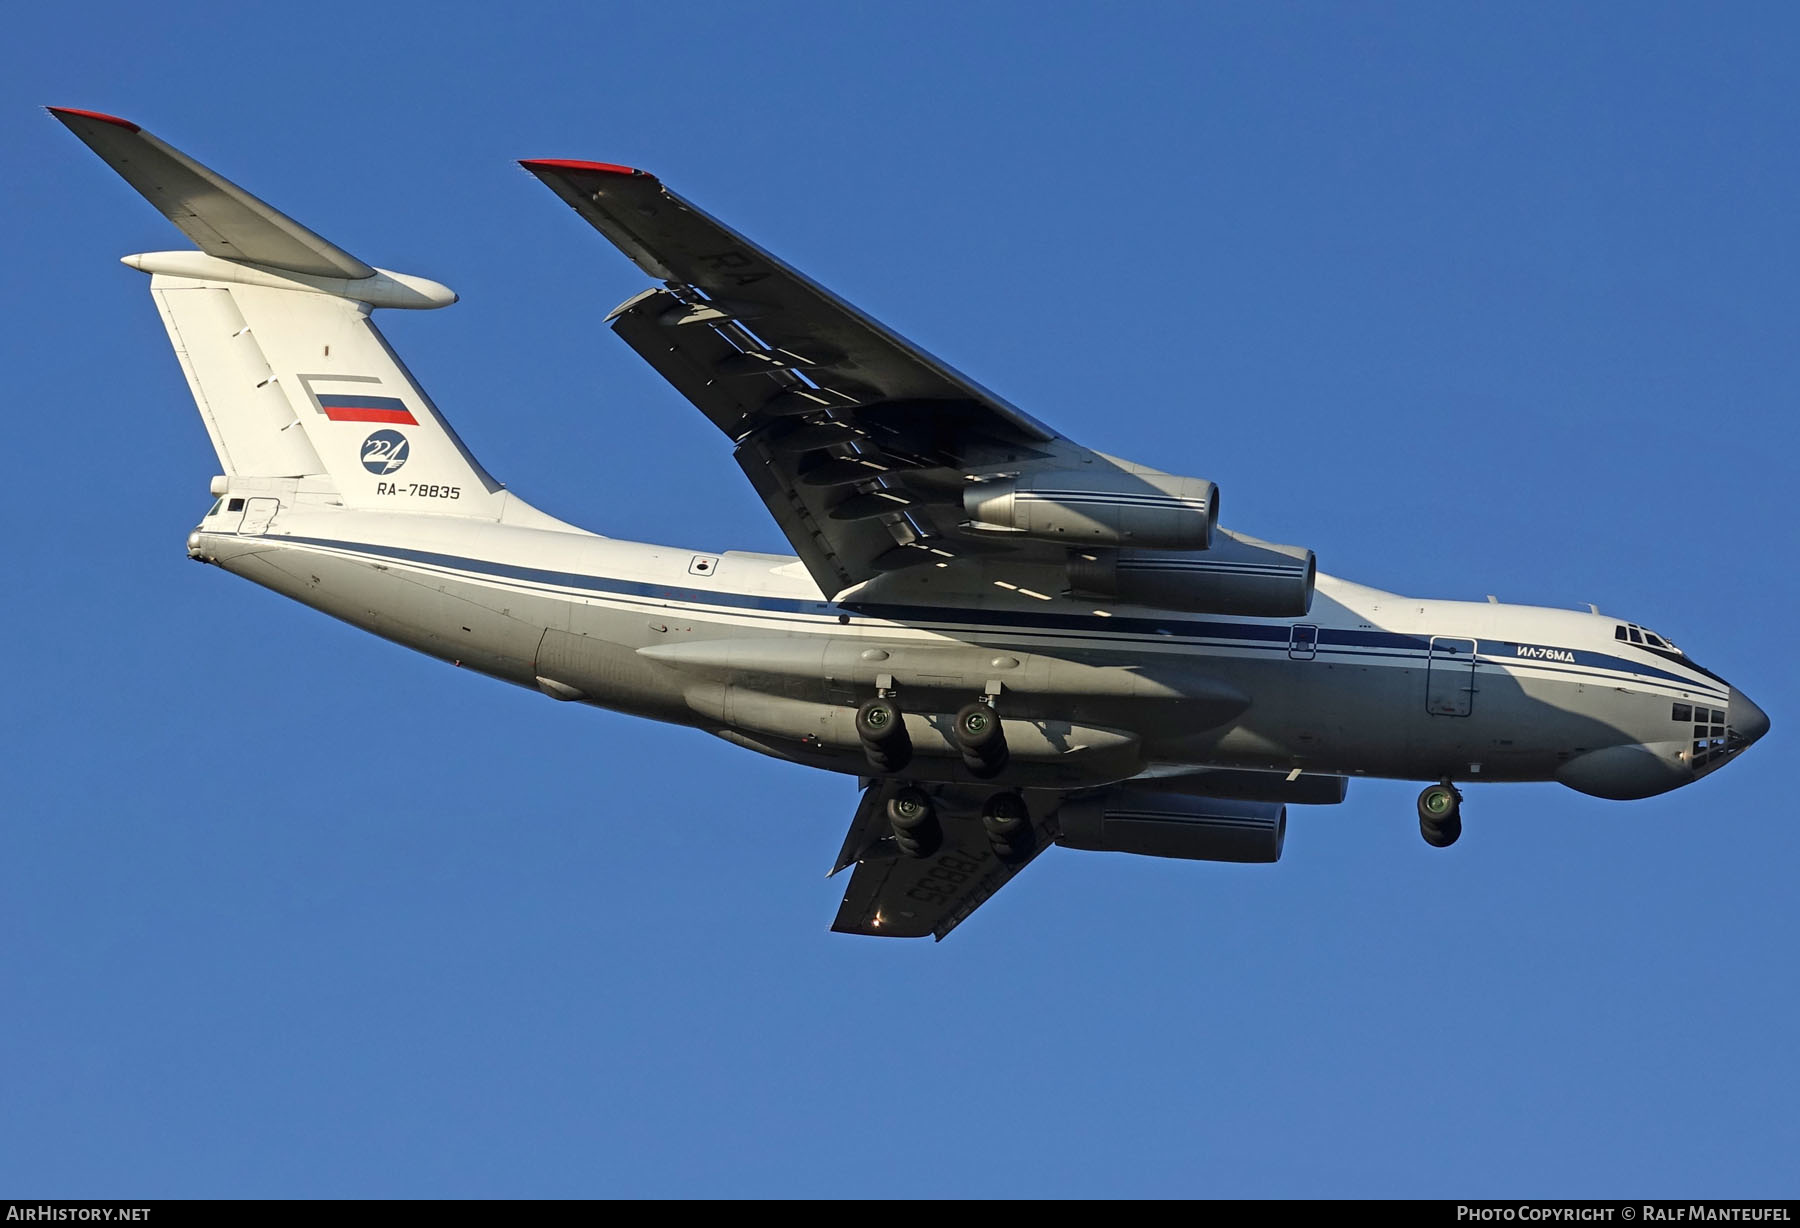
{"points": [[1239, 575], [1123, 820], [1110, 507]]}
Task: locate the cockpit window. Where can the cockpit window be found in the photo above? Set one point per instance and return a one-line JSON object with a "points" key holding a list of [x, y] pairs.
{"points": [[214, 510], [1634, 634]]}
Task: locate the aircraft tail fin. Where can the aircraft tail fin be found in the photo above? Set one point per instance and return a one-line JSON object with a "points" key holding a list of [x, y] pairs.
{"points": [[271, 324]]}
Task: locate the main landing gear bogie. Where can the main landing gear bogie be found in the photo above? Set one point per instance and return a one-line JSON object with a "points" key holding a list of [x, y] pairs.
{"points": [[1440, 815], [981, 738], [887, 746], [912, 814], [1007, 822], [913, 817], [919, 832], [881, 727]]}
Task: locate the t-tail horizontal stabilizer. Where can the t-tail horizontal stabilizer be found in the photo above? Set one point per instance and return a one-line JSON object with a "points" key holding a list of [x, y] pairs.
{"points": [[271, 325], [221, 218]]}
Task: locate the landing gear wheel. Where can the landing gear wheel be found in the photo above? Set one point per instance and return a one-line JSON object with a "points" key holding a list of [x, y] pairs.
{"points": [[915, 823], [1440, 815], [981, 738], [1005, 815], [1438, 803], [1007, 822], [881, 726], [1441, 835]]}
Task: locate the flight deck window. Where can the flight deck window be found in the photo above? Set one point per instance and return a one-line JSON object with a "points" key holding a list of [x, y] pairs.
{"points": [[1683, 713], [1632, 633], [236, 505]]}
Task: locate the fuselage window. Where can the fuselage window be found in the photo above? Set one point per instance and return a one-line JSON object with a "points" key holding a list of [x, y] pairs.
{"points": [[1683, 713]]}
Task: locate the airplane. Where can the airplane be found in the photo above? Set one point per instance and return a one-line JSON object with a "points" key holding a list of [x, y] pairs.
{"points": [[1013, 642]]}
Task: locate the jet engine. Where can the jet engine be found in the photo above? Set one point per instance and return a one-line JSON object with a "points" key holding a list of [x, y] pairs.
{"points": [[1123, 820], [1108, 507], [1239, 575]]}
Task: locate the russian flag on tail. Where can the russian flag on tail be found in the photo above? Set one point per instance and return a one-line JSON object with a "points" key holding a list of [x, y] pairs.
{"points": [[366, 409]]}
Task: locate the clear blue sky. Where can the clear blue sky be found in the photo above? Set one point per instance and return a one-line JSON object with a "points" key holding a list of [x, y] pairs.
{"points": [[1470, 299]]}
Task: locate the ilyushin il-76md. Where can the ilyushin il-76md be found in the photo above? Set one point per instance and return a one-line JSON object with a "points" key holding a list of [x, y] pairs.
{"points": [[1010, 641]]}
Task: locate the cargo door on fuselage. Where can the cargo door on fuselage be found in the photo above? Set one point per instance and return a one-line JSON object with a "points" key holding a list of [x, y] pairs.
{"points": [[1450, 677]]}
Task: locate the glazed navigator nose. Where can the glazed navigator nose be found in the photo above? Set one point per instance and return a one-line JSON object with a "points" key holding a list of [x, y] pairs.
{"points": [[1748, 721]]}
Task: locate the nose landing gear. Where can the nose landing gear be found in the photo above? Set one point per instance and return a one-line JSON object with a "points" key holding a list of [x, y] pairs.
{"points": [[1440, 815]]}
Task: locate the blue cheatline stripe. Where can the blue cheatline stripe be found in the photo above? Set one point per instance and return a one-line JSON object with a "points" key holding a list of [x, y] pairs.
{"points": [[1335, 640]]}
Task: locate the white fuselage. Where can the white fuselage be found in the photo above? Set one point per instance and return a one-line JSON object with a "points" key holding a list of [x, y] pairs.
{"points": [[747, 647]]}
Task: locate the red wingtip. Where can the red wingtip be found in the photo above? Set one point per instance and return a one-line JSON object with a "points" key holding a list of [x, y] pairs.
{"points": [[103, 118], [569, 164]]}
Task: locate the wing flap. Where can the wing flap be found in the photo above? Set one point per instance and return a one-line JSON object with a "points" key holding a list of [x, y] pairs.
{"points": [[690, 358], [837, 553]]}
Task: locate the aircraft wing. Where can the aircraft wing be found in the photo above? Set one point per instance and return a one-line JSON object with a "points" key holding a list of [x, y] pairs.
{"points": [[894, 896], [856, 439]]}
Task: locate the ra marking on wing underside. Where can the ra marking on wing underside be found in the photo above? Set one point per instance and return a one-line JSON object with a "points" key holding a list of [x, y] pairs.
{"points": [[736, 266]]}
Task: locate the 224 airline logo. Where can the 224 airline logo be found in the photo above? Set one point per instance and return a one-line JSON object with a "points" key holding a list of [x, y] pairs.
{"points": [[384, 451]]}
